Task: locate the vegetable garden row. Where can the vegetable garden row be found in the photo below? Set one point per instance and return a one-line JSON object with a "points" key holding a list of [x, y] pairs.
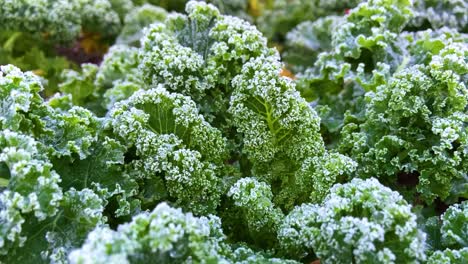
{"points": [[244, 131]]}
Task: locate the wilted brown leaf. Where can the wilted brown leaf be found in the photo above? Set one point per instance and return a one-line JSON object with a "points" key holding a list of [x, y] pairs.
{"points": [[286, 73], [92, 43]]}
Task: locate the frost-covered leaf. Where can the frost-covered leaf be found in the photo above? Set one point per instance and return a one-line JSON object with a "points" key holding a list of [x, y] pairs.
{"points": [[173, 142], [362, 221]]}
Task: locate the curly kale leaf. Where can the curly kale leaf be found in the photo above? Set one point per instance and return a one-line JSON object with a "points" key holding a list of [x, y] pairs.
{"points": [[59, 21], [165, 235], [449, 256], [25, 52], [454, 232], [280, 133], [20, 103], [429, 43], [98, 16], [286, 128], [102, 170], [253, 199], [440, 13], [98, 88], [32, 192], [32, 203], [139, 18], [455, 225], [173, 143], [368, 37], [80, 85], [50, 240], [361, 221], [198, 55], [307, 40], [415, 125], [278, 17], [119, 63], [118, 76], [366, 48]]}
